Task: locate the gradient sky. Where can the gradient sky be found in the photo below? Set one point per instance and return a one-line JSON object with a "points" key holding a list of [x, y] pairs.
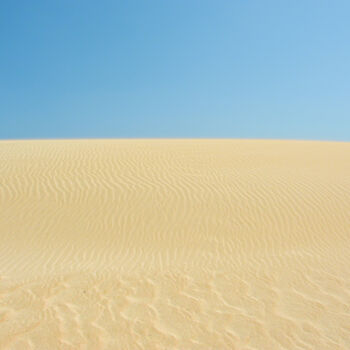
{"points": [[177, 68]]}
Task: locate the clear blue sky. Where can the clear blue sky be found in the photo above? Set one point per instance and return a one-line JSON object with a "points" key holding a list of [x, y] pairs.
{"points": [[177, 68]]}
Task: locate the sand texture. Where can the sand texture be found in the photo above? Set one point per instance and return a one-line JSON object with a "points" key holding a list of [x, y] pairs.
{"points": [[174, 244]]}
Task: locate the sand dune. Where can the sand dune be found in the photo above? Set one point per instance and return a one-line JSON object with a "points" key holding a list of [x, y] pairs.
{"points": [[174, 244]]}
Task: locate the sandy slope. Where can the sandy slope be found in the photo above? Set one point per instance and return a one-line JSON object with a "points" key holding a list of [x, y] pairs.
{"points": [[174, 244]]}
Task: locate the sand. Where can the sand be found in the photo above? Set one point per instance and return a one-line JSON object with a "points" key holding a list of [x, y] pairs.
{"points": [[174, 244]]}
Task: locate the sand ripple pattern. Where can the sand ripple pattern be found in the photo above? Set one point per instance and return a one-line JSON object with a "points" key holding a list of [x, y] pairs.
{"points": [[174, 244]]}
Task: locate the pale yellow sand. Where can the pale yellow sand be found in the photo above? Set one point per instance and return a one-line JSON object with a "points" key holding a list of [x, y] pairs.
{"points": [[174, 244]]}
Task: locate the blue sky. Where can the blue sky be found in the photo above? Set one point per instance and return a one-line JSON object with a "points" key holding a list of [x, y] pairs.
{"points": [[177, 68]]}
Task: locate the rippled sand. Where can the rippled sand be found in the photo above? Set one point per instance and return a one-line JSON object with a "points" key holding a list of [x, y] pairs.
{"points": [[174, 244]]}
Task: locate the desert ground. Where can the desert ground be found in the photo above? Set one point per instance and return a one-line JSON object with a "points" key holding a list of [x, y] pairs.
{"points": [[174, 244]]}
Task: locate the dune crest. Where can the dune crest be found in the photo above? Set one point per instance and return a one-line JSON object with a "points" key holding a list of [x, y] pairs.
{"points": [[174, 244]]}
